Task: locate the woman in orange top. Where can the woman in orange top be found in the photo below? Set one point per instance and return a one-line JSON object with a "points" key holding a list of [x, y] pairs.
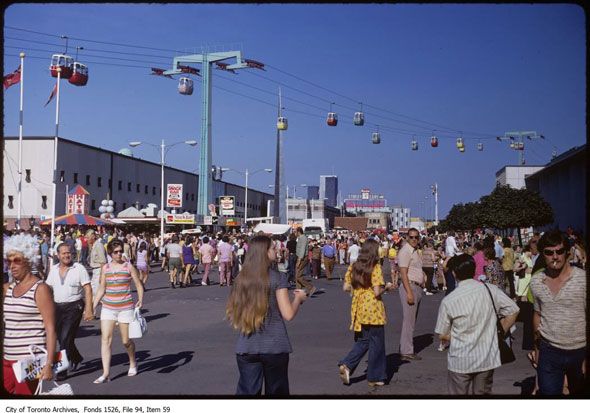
{"points": [[365, 279]]}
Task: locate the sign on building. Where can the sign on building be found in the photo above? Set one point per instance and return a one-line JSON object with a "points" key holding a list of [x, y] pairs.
{"points": [[78, 201], [227, 205], [184, 218], [208, 220], [174, 196]]}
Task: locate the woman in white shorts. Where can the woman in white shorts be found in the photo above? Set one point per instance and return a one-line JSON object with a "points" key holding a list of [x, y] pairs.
{"points": [[117, 306]]}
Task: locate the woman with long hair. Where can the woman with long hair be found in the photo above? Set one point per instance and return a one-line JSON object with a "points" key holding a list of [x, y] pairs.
{"points": [[142, 263], [117, 306], [257, 307], [188, 259], [365, 279]]}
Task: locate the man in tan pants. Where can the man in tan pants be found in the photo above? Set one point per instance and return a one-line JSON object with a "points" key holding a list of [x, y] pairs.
{"points": [[302, 260]]}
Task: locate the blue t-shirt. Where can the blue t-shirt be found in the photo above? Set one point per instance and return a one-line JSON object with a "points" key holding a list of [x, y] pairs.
{"points": [[272, 337], [328, 251]]}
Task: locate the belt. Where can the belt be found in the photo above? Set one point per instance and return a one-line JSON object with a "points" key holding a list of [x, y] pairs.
{"points": [[415, 283]]}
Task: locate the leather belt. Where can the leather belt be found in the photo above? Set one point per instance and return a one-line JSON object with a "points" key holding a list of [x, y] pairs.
{"points": [[415, 283]]}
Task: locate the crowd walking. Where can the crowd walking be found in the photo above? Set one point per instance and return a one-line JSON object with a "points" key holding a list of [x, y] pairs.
{"points": [[50, 290]]}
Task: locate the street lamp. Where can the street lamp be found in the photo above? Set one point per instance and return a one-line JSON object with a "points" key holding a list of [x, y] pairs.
{"points": [[163, 150], [247, 173]]}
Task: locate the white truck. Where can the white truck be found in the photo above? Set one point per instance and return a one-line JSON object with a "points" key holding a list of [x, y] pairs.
{"points": [[315, 227]]}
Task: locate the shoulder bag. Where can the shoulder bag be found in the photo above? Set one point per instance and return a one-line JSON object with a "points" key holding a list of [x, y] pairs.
{"points": [[506, 353], [138, 326]]}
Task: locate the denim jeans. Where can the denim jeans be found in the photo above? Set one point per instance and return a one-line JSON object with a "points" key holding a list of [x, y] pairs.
{"points": [[371, 338], [554, 364], [292, 265], [67, 321], [450, 280], [270, 368]]}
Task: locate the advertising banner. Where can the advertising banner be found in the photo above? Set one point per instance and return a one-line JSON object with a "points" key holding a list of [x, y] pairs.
{"points": [[174, 196], [227, 205], [180, 218]]}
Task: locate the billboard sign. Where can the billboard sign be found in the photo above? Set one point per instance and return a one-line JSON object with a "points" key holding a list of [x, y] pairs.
{"points": [[174, 196], [227, 205], [184, 218]]}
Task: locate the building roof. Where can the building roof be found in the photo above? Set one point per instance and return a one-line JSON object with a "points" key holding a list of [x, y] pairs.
{"points": [[517, 166], [120, 155], [78, 190], [566, 156]]}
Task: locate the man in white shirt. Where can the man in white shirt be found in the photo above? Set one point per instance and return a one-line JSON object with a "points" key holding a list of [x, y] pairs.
{"points": [[451, 250], [353, 252], [468, 319], [72, 295]]}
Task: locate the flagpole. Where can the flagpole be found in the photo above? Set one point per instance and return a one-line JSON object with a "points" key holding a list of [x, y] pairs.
{"points": [[20, 141], [55, 164]]}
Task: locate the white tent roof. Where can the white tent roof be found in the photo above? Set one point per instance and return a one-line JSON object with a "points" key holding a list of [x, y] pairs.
{"points": [[130, 212], [275, 229]]}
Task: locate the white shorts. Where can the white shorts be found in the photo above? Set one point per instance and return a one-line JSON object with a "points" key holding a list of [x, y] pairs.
{"points": [[122, 316]]}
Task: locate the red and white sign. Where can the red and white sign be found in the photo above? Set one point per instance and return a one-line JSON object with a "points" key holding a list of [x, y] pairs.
{"points": [[174, 196]]}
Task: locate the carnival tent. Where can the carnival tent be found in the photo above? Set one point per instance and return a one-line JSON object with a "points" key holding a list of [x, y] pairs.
{"points": [[77, 219]]}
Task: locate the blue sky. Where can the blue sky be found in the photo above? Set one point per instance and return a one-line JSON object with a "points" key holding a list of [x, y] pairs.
{"points": [[480, 69]]}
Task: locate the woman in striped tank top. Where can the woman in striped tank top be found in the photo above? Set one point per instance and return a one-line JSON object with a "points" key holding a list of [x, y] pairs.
{"points": [[117, 306], [28, 314]]}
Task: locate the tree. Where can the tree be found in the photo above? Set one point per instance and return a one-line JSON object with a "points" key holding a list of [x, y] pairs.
{"points": [[504, 208]]}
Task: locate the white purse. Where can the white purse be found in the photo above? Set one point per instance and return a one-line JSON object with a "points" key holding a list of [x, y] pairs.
{"points": [[137, 327], [63, 389]]}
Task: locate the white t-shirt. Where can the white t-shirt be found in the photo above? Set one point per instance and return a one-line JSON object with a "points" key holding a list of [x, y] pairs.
{"points": [[70, 288], [354, 252], [451, 247]]}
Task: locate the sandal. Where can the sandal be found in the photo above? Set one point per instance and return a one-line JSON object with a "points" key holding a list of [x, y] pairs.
{"points": [[102, 379], [132, 371]]}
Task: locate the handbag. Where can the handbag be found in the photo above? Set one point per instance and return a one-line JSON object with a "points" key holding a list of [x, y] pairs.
{"points": [[506, 353], [138, 326], [30, 368], [63, 389]]}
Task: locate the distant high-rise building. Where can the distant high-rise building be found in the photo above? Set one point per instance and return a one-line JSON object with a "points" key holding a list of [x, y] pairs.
{"points": [[313, 192], [329, 189]]}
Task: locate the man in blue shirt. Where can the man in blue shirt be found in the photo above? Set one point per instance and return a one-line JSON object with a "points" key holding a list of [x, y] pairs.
{"points": [[329, 254]]}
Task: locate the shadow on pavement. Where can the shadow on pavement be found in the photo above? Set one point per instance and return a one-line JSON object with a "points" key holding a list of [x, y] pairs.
{"points": [[149, 318], [526, 386], [88, 331], [95, 365], [423, 341], [393, 362]]}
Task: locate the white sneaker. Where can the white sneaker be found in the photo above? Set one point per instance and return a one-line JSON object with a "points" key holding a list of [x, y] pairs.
{"points": [[428, 293]]}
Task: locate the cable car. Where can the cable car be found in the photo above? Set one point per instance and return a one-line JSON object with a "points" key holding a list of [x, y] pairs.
{"points": [[460, 143], [376, 138], [185, 86], [282, 123], [65, 62], [332, 119], [359, 119], [520, 146], [414, 145], [80, 75], [462, 149], [434, 141], [480, 146]]}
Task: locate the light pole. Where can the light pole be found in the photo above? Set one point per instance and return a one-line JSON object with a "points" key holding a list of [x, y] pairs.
{"points": [[163, 151], [247, 174]]}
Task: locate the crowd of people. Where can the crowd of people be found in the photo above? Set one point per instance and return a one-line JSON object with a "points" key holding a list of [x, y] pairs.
{"points": [[50, 289]]}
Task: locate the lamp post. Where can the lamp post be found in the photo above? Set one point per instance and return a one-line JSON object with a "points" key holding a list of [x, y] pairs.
{"points": [[247, 174], [163, 150]]}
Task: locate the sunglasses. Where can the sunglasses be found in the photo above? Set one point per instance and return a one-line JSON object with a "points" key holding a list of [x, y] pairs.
{"points": [[15, 260], [549, 253], [117, 251], [416, 237]]}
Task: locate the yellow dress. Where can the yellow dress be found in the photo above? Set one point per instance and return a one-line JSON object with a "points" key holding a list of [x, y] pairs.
{"points": [[365, 308]]}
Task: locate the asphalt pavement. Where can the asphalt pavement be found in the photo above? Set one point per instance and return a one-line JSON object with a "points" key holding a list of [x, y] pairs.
{"points": [[189, 348]]}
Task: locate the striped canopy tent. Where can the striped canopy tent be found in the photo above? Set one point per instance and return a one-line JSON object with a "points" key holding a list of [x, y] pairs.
{"points": [[77, 219]]}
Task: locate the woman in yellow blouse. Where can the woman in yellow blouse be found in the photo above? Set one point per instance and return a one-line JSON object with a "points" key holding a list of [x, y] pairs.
{"points": [[365, 280]]}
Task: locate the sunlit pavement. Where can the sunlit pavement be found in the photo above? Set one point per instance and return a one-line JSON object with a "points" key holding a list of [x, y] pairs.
{"points": [[189, 348]]}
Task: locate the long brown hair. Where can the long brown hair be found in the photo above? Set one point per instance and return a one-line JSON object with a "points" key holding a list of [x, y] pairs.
{"points": [[248, 301], [362, 269]]}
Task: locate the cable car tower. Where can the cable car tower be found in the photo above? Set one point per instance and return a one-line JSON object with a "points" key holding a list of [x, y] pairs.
{"points": [[206, 59], [516, 141]]}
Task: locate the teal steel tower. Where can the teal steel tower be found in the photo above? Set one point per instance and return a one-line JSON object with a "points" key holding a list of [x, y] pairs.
{"points": [[205, 193]]}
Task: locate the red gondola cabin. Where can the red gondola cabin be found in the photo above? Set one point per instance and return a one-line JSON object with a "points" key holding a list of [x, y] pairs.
{"points": [[80, 75], [65, 62]]}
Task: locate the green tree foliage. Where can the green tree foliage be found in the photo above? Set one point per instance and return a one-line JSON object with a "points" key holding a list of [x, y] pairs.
{"points": [[503, 208]]}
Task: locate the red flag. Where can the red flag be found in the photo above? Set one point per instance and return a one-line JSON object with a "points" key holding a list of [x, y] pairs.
{"points": [[12, 78], [53, 92]]}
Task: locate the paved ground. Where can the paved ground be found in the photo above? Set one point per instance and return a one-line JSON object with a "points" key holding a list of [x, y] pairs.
{"points": [[189, 349]]}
